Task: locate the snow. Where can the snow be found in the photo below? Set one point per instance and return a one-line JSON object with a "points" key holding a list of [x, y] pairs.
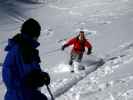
{"points": [[61, 68], [107, 24]]}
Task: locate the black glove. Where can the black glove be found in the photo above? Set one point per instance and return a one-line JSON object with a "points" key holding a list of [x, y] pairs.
{"points": [[89, 51], [63, 47], [36, 79], [46, 78]]}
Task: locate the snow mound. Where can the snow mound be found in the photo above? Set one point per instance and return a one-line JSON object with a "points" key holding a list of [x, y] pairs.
{"points": [[61, 68]]}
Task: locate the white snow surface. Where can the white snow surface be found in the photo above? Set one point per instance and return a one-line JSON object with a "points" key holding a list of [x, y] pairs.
{"points": [[107, 24]]}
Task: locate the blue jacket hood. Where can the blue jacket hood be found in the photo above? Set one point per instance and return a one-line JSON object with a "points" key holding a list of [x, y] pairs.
{"points": [[21, 39]]}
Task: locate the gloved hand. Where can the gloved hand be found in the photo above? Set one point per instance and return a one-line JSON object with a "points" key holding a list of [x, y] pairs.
{"points": [[89, 51], [36, 79], [63, 47], [46, 78]]}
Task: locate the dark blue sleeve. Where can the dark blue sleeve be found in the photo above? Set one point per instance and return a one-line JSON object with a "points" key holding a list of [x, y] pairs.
{"points": [[6, 72]]}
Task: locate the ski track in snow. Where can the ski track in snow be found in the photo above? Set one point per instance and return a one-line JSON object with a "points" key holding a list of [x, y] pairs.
{"points": [[74, 80], [95, 88], [60, 8], [111, 64]]}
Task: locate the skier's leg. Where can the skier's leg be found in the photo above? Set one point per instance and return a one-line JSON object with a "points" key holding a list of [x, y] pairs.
{"points": [[72, 57], [80, 56], [80, 67], [76, 62], [71, 60]]}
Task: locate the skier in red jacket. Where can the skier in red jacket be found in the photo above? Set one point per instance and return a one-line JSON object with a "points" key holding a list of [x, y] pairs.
{"points": [[79, 43]]}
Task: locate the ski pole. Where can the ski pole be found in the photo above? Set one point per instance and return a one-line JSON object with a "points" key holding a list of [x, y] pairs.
{"points": [[52, 51], [52, 97]]}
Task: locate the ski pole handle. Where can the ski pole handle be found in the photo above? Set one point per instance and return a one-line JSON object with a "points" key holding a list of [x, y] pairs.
{"points": [[52, 97]]}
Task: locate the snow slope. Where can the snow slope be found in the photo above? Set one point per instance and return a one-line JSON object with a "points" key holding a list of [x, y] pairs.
{"points": [[112, 81], [108, 25]]}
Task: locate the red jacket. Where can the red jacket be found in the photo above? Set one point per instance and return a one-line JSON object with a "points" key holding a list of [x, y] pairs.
{"points": [[78, 47]]}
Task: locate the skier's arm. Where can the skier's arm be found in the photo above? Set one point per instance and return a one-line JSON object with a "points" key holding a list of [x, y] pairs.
{"points": [[70, 42], [89, 46]]}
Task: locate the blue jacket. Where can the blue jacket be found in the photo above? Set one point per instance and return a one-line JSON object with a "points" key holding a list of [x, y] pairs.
{"points": [[22, 57]]}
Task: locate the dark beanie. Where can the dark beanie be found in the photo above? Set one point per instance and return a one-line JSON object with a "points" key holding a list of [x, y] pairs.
{"points": [[31, 28]]}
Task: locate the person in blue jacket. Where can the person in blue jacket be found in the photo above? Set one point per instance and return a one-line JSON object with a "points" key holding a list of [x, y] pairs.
{"points": [[21, 71]]}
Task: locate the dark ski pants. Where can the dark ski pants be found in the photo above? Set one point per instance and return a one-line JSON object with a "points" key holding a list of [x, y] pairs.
{"points": [[75, 57]]}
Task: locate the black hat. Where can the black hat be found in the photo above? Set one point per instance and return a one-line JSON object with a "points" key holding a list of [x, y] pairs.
{"points": [[31, 28]]}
